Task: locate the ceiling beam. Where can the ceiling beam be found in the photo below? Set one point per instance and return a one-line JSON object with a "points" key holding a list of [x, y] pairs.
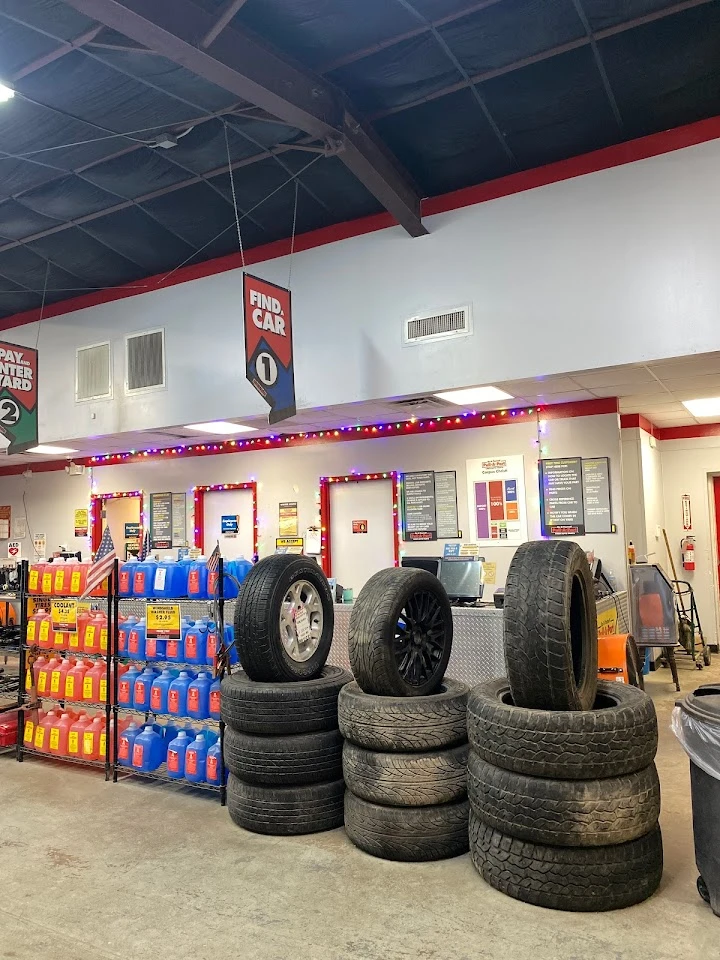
{"points": [[58, 52], [223, 20], [243, 65]]}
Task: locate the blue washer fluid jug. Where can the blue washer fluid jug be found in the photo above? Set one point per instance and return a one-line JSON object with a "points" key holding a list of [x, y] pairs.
{"points": [[147, 751], [144, 579], [198, 697], [215, 699], [126, 686], [159, 692], [196, 760], [177, 694], [136, 641], [196, 639], [143, 688], [213, 766], [123, 633], [230, 643], [176, 755], [126, 576], [197, 579], [125, 744], [175, 649]]}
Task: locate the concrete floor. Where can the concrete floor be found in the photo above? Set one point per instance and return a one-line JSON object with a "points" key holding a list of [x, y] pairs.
{"points": [[150, 872]]}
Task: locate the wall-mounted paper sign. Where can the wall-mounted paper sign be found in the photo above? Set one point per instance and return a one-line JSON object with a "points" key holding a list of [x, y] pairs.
{"points": [[230, 525], [359, 526]]}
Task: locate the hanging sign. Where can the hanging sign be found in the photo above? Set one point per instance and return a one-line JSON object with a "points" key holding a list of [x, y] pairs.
{"points": [[18, 398], [268, 345], [81, 522], [162, 621], [686, 516], [64, 615]]}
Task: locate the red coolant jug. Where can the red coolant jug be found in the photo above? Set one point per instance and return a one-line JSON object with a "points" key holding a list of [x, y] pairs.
{"points": [[75, 735], [35, 575], [74, 682], [91, 638], [78, 579], [58, 679], [61, 577], [43, 680], [91, 738], [59, 733], [42, 732], [92, 681], [46, 583]]}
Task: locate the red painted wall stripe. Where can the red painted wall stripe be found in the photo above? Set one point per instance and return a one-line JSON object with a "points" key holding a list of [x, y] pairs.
{"points": [[689, 432], [616, 155], [637, 420]]}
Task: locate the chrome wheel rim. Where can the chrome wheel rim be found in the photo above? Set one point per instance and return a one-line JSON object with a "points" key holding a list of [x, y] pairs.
{"points": [[301, 621]]}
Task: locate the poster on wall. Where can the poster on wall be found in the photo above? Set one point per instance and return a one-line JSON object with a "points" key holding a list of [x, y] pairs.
{"points": [[82, 519], [18, 398], [562, 512], [446, 507], [418, 503], [161, 521], [596, 495], [496, 501], [288, 519], [268, 345], [5, 514], [179, 510]]}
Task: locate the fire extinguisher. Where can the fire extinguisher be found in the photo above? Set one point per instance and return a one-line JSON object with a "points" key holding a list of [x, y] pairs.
{"points": [[687, 545]]}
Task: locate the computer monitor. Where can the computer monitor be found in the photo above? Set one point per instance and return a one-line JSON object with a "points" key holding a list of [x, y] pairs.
{"points": [[431, 564], [462, 579]]}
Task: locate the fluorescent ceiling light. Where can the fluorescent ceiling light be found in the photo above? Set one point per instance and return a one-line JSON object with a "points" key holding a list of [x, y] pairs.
{"points": [[473, 395], [707, 407], [45, 448], [219, 426], [6, 93]]}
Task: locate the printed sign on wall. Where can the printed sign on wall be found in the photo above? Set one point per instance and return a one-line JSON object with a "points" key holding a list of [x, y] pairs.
{"points": [[496, 501], [18, 398], [268, 345]]}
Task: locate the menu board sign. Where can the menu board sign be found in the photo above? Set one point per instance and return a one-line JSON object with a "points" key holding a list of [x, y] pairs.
{"points": [[161, 531], [446, 508], [419, 506], [562, 497], [596, 495]]}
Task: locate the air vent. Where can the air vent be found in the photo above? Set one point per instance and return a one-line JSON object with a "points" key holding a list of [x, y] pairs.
{"points": [[92, 373], [422, 403], [145, 361], [455, 322]]}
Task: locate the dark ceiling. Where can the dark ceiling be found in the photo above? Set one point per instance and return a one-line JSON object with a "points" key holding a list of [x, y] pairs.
{"points": [[458, 92]]}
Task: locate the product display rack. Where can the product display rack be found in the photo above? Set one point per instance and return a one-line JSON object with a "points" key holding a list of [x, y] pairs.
{"points": [[23, 699], [137, 605], [10, 681]]}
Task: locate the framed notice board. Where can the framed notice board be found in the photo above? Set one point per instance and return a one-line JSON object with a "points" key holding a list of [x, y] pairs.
{"points": [[575, 496]]}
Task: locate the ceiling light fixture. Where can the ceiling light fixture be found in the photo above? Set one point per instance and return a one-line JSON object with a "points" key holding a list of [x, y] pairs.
{"points": [[219, 426], [6, 93], [47, 448], [707, 407], [470, 396]]}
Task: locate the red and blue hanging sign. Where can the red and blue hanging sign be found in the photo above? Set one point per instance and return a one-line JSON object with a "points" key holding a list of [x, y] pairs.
{"points": [[269, 346]]}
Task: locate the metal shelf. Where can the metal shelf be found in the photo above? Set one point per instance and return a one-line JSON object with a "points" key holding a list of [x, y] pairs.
{"points": [[162, 775], [72, 653], [71, 703], [78, 761], [166, 663], [168, 716]]}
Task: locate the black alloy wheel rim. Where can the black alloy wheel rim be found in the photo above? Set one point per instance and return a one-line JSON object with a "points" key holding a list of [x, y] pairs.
{"points": [[420, 638]]}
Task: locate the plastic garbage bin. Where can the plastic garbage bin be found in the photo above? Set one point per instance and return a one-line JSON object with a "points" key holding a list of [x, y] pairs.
{"points": [[696, 724]]}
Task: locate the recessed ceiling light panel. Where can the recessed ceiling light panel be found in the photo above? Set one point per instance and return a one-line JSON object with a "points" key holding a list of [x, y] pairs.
{"points": [[473, 395], [707, 407], [48, 449], [219, 426]]}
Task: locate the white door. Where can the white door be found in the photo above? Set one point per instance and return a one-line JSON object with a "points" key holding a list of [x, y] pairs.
{"points": [[229, 503], [363, 506], [116, 514]]}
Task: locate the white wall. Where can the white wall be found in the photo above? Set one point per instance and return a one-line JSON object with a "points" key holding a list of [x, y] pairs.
{"points": [[48, 501], [624, 259], [643, 495]]}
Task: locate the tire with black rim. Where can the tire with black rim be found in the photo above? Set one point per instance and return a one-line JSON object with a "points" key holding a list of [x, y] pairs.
{"points": [[400, 634], [550, 627], [285, 811], [282, 708], [404, 724], [581, 879], [407, 833], [618, 736], [284, 620], [565, 813], [302, 758], [406, 779]]}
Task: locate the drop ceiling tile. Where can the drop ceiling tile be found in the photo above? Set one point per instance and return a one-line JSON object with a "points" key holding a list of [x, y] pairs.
{"points": [[609, 376], [705, 364], [632, 389], [694, 389], [635, 401]]}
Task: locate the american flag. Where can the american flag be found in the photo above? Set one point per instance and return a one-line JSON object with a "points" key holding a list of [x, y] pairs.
{"points": [[213, 564], [102, 565], [145, 547]]}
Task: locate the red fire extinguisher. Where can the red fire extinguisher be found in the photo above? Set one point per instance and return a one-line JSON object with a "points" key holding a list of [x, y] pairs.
{"points": [[687, 545]]}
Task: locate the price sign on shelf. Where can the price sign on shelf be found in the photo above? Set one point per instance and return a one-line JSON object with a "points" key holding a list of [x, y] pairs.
{"points": [[163, 621], [64, 614]]}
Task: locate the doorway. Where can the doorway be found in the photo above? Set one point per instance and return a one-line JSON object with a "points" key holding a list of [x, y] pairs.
{"points": [[227, 513], [122, 513]]}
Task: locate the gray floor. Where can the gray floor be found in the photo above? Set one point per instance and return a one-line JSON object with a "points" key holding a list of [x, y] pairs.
{"points": [[139, 871]]}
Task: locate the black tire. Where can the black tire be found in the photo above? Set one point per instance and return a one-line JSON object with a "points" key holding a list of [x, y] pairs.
{"points": [[568, 878], [283, 811], [400, 634], [413, 834], [258, 634], [550, 627], [565, 813], [634, 663], [406, 779], [278, 708], [618, 737], [300, 759], [404, 724]]}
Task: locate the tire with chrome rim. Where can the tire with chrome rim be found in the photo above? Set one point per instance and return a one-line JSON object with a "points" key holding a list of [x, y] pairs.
{"points": [[284, 620], [400, 635]]}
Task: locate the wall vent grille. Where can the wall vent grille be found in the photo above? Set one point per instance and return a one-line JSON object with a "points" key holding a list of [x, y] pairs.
{"points": [[145, 361], [454, 322], [93, 373]]}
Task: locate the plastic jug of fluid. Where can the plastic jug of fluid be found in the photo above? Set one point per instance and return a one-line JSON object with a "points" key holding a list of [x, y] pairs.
{"points": [[46, 583], [58, 677], [196, 760], [123, 634], [136, 641], [147, 751], [230, 643], [155, 648], [177, 694], [78, 578], [61, 577], [91, 738], [33, 627], [59, 732], [75, 680], [59, 639], [175, 649], [196, 639], [32, 680], [214, 700], [43, 682], [142, 689], [44, 636], [126, 686], [41, 741], [176, 755], [91, 633], [212, 643], [211, 736], [197, 579], [35, 574], [126, 741], [29, 729], [159, 692], [126, 578], [170, 579], [213, 765], [92, 680], [76, 640], [143, 576], [108, 742], [75, 736], [198, 697]]}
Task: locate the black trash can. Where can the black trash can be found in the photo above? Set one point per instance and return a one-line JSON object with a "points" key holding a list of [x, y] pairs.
{"points": [[696, 724]]}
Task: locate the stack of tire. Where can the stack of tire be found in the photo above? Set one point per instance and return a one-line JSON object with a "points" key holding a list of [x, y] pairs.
{"points": [[405, 727], [564, 793], [282, 745]]}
